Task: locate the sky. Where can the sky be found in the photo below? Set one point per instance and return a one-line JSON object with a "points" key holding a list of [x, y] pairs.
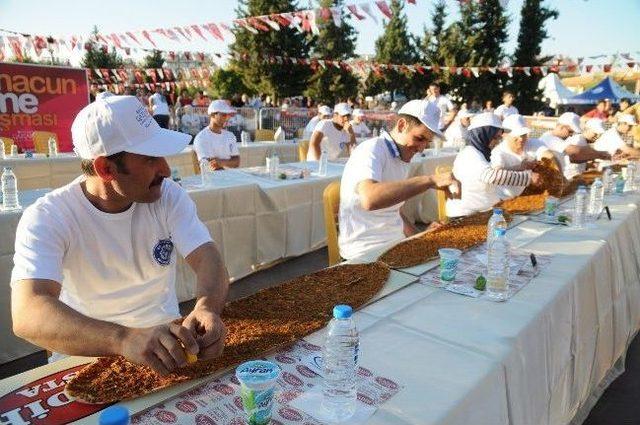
{"points": [[584, 27]]}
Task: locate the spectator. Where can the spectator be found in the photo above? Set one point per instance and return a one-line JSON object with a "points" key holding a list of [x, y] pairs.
{"points": [[184, 99], [475, 107], [159, 108], [335, 136], [600, 111], [190, 122], [488, 106], [324, 112], [507, 108], [358, 124], [634, 110], [215, 144], [199, 100], [442, 102], [457, 132]]}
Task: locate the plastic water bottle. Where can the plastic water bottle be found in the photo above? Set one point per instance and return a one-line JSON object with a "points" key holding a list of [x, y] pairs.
{"points": [[619, 184], [53, 147], [206, 172], [273, 164], [244, 138], [375, 132], [596, 198], [340, 365], [323, 164], [496, 221], [606, 180], [631, 176], [580, 208], [9, 190], [115, 415], [498, 267]]}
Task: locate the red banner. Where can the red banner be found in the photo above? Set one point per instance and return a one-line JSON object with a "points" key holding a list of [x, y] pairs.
{"points": [[40, 98]]}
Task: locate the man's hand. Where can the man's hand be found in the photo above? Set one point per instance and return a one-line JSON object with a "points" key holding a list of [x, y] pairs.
{"points": [[347, 127], [209, 330], [159, 347], [536, 179], [215, 164], [434, 225], [443, 180]]}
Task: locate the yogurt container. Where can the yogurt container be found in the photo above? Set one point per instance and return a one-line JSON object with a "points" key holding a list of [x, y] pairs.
{"points": [[257, 387]]}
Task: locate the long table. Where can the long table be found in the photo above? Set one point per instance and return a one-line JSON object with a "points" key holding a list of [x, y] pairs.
{"points": [[53, 172], [542, 357], [254, 221]]}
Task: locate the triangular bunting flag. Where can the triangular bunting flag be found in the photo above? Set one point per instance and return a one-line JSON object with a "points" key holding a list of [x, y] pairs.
{"points": [[182, 33], [384, 8], [354, 11], [475, 70], [148, 37], [198, 31], [367, 9], [274, 25], [214, 30], [133, 37], [544, 70], [336, 14], [527, 71]]}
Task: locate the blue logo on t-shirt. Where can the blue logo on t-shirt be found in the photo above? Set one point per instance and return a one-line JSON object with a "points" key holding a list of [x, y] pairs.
{"points": [[162, 251]]}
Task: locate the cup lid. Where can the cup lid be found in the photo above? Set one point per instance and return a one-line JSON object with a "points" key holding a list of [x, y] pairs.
{"points": [[257, 372]]}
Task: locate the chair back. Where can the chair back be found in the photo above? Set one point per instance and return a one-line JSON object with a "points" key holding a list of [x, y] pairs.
{"points": [[41, 141], [196, 163], [303, 149], [264, 135], [441, 194], [6, 143], [331, 201]]}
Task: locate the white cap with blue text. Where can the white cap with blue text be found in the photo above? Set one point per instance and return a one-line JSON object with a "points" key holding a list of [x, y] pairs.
{"points": [[114, 124], [426, 111], [221, 106], [342, 109]]}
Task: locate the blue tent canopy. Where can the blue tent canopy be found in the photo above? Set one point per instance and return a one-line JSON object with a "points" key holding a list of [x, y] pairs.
{"points": [[605, 89]]}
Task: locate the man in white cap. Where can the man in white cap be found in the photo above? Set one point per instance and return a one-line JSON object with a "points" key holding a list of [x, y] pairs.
{"points": [[457, 131], [335, 136], [507, 108], [215, 144], [374, 183], [95, 265], [324, 112], [557, 141], [591, 130], [358, 124], [612, 140], [516, 152]]}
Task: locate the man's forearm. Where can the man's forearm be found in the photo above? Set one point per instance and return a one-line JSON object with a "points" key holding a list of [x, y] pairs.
{"points": [[50, 324], [233, 162], [212, 279], [375, 196]]}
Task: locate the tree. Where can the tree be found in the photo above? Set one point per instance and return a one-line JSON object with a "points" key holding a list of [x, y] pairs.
{"points": [[226, 83], [153, 60], [533, 17], [100, 56], [328, 84], [395, 46], [251, 52]]}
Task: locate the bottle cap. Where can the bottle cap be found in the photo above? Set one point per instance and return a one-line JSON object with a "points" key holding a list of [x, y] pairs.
{"points": [[497, 211], [342, 311], [114, 415]]}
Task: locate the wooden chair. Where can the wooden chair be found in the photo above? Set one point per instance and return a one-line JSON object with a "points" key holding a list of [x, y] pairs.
{"points": [[196, 163], [331, 201], [303, 149], [441, 194], [41, 140], [7, 142], [264, 135]]}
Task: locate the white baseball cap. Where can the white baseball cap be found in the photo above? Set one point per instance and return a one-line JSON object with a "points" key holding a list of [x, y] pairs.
{"points": [[465, 113], [114, 124], [516, 125], [358, 112], [342, 109], [220, 105], [426, 111], [485, 119], [596, 125], [627, 119], [325, 110], [572, 120]]}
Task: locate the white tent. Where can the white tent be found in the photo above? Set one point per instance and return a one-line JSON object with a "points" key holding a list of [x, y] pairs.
{"points": [[553, 89]]}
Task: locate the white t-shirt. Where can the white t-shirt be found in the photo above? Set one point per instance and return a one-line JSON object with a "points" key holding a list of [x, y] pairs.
{"points": [[311, 125], [455, 135], [115, 267], [159, 105], [208, 144], [361, 230], [572, 169], [503, 111], [190, 124], [557, 146], [335, 142], [445, 105], [360, 129], [610, 141], [476, 195], [502, 157]]}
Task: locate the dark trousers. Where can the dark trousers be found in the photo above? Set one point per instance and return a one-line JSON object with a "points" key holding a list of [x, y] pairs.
{"points": [[162, 120]]}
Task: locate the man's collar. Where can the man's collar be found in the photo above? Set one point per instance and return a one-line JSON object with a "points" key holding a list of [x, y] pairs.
{"points": [[391, 144]]}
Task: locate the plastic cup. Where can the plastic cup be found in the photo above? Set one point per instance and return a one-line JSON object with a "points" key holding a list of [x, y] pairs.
{"points": [[257, 386], [449, 259], [551, 206]]}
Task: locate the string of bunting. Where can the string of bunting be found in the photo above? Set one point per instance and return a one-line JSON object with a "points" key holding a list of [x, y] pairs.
{"points": [[139, 75], [133, 41]]}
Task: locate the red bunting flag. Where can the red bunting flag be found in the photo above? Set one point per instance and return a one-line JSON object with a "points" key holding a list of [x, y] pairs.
{"points": [[172, 35], [354, 11], [182, 33], [384, 8], [116, 40], [198, 31], [148, 37], [133, 37], [39, 44], [16, 46], [214, 30]]}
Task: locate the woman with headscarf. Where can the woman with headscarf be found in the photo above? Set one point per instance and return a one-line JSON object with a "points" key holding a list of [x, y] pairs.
{"points": [[472, 168]]}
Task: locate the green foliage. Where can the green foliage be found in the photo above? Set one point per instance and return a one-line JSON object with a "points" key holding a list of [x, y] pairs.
{"points": [[96, 57], [226, 83], [533, 17], [277, 80], [396, 46], [330, 84], [153, 60]]}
